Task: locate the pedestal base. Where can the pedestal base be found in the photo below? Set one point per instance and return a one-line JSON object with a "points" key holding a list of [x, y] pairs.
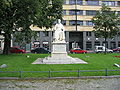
{"points": [[65, 60], [59, 56]]}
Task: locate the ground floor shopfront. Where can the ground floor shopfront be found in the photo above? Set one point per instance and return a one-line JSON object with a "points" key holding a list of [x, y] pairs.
{"points": [[84, 39]]}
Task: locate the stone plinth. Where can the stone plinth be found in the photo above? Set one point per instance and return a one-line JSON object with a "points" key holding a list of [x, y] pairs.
{"points": [[59, 56], [58, 50]]}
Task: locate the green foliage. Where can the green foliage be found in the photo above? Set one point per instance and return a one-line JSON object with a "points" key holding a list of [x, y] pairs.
{"points": [[23, 38], [18, 15], [48, 12], [106, 23]]}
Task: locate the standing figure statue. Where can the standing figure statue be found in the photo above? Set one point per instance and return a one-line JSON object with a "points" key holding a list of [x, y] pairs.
{"points": [[59, 33]]}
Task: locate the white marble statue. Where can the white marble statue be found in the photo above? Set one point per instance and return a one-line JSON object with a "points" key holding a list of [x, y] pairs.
{"points": [[59, 32]]}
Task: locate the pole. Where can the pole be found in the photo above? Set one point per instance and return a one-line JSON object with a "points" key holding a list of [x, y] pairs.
{"points": [[76, 14]]}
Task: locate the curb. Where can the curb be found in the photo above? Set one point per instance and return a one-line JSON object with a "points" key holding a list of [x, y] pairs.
{"points": [[52, 78]]}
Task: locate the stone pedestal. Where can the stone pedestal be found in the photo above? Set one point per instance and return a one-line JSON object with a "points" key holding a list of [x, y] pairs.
{"points": [[59, 56], [58, 50]]}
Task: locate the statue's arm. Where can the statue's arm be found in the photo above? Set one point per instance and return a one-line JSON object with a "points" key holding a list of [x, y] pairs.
{"points": [[63, 29]]}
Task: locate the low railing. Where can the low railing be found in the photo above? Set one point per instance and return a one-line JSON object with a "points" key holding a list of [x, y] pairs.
{"points": [[52, 74]]}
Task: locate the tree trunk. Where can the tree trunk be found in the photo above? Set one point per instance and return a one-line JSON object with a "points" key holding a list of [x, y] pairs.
{"points": [[7, 43], [105, 45]]}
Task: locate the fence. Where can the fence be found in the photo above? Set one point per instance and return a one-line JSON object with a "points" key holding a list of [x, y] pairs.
{"points": [[49, 74]]}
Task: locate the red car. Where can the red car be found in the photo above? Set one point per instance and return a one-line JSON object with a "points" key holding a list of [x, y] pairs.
{"points": [[116, 49], [77, 50], [16, 50]]}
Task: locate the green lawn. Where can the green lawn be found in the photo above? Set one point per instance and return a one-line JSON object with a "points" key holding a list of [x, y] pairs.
{"points": [[19, 62]]}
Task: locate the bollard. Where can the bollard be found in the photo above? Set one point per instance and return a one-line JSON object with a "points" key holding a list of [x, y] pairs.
{"points": [[78, 73], [49, 74], [106, 72], [20, 74]]}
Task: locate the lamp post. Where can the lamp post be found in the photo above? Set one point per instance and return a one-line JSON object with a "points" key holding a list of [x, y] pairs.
{"points": [[76, 14]]}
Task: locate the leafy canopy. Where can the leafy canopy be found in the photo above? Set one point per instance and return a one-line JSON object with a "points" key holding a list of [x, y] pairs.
{"points": [[18, 15], [106, 23]]}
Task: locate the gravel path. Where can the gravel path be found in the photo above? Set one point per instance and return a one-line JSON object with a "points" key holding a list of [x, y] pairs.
{"points": [[61, 84]]}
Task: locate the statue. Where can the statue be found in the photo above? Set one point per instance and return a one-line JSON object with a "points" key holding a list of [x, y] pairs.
{"points": [[59, 33]]}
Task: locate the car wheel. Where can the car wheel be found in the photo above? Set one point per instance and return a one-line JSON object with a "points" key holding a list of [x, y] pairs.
{"points": [[97, 52]]}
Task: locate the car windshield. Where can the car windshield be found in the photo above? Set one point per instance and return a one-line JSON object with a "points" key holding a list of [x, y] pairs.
{"points": [[100, 48], [77, 49]]}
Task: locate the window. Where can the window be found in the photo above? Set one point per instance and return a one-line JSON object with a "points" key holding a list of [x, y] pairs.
{"points": [[109, 3], [118, 3], [89, 23], [64, 22], [0, 44], [88, 34], [73, 12], [36, 44], [90, 2], [45, 33], [88, 45], [112, 45], [64, 12], [46, 45], [80, 23], [100, 48], [91, 12], [79, 12], [73, 2], [64, 2], [79, 2], [118, 44], [73, 22], [97, 44]]}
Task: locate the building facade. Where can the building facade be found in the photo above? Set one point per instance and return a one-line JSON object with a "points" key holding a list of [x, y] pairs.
{"points": [[77, 15]]}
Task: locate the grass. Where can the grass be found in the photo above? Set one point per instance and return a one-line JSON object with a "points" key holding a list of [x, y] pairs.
{"points": [[19, 62]]}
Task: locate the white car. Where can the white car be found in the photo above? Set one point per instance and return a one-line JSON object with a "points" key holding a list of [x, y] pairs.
{"points": [[100, 49]]}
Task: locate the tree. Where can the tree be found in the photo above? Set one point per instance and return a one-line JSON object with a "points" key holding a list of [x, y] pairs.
{"points": [[23, 38], [106, 23], [19, 15]]}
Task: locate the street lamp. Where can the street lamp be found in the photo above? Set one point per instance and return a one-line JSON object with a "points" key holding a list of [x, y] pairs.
{"points": [[76, 14]]}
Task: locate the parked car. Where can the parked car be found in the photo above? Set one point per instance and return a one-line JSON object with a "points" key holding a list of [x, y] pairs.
{"points": [[40, 50], [16, 50], [77, 50], [101, 49], [116, 49]]}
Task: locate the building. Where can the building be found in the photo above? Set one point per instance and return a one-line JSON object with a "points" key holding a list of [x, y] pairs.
{"points": [[1, 42], [79, 12], [77, 15]]}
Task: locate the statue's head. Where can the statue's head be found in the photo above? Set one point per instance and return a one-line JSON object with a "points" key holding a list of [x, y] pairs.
{"points": [[59, 21]]}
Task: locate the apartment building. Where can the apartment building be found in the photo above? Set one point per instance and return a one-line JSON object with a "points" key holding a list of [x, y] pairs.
{"points": [[81, 12], [77, 15]]}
